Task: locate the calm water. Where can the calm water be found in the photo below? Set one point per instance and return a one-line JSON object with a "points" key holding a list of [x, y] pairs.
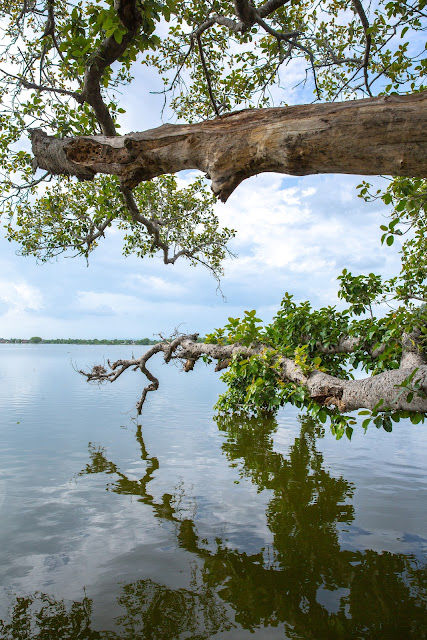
{"points": [[180, 526]]}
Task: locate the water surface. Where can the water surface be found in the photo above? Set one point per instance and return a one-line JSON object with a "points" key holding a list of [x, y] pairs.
{"points": [[177, 525]]}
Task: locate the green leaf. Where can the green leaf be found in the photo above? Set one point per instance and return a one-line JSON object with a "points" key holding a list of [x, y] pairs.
{"points": [[378, 405], [349, 432], [387, 425], [118, 36]]}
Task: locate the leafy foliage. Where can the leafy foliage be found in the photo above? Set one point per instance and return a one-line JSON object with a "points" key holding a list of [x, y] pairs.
{"points": [[310, 337], [328, 49], [49, 47], [74, 216], [407, 226], [63, 67]]}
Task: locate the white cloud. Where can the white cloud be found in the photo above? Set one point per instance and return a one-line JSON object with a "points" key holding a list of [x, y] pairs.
{"points": [[106, 303], [294, 234], [154, 286], [297, 234], [20, 296]]}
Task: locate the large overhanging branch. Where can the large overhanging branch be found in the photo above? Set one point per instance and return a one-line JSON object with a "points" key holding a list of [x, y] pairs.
{"points": [[382, 135], [346, 395]]}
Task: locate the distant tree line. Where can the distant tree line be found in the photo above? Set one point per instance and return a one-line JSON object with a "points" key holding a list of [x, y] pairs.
{"points": [[38, 340]]}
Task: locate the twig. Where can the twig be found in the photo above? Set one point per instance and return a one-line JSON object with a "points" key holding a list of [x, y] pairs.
{"points": [[364, 20], [207, 76]]}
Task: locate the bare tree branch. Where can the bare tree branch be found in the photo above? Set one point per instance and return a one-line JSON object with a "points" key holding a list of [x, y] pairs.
{"points": [[346, 395], [364, 20], [42, 88], [270, 6], [207, 76]]}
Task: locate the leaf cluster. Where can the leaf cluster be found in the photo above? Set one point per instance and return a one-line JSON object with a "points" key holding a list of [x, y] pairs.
{"points": [[338, 342]]}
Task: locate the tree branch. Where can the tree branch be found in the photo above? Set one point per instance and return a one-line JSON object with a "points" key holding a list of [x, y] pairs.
{"points": [[235, 27], [346, 395], [246, 12], [207, 76], [387, 135], [364, 20], [270, 6], [107, 53], [42, 88], [153, 227]]}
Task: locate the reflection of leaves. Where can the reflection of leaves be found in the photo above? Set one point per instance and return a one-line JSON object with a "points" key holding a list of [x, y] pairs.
{"points": [[306, 582], [388, 595], [306, 506], [305, 495], [42, 617], [98, 461], [155, 612], [152, 612]]}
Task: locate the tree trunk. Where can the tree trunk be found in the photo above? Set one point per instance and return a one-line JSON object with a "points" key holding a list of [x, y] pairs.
{"points": [[383, 135]]}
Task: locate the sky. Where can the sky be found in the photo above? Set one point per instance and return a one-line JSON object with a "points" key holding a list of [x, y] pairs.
{"points": [[293, 235]]}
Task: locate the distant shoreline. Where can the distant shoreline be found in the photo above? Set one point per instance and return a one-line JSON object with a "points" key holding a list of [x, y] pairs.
{"points": [[96, 341]]}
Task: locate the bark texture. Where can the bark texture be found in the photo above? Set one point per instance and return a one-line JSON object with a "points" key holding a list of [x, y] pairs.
{"points": [[383, 135], [346, 395]]}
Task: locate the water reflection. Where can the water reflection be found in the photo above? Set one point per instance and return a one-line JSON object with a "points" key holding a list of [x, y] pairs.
{"points": [[151, 612], [306, 583]]}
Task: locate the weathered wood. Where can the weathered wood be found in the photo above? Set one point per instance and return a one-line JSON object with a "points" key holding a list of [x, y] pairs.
{"points": [[382, 135], [346, 395]]}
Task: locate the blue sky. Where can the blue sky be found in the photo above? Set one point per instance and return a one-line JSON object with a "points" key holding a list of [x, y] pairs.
{"points": [[293, 234]]}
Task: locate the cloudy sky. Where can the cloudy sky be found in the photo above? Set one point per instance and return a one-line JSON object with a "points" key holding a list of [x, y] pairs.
{"points": [[293, 234]]}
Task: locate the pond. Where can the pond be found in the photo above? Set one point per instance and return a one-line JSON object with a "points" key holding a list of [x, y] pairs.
{"points": [[179, 525]]}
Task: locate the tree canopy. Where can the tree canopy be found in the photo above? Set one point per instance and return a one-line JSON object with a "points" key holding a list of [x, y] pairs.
{"points": [[64, 66]]}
